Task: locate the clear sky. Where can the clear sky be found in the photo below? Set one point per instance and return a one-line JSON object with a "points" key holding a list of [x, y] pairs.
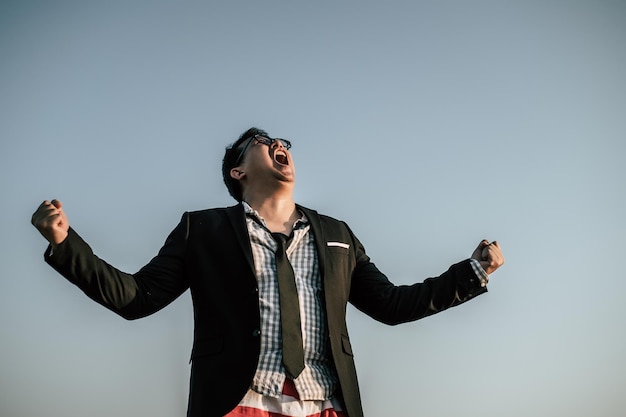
{"points": [[427, 126]]}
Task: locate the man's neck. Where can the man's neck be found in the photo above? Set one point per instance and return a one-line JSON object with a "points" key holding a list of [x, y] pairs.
{"points": [[279, 212]]}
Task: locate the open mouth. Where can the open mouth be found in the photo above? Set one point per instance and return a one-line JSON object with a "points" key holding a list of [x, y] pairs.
{"points": [[281, 158]]}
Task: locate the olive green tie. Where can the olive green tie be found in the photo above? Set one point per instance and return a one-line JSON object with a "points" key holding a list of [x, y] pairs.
{"points": [[293, 353]]}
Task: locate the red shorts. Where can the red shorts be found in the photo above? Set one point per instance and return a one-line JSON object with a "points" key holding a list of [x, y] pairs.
{"points": [[287, 405]]}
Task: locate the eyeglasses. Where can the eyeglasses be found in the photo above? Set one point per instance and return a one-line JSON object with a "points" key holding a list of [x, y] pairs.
{"points": [[263, 140]]}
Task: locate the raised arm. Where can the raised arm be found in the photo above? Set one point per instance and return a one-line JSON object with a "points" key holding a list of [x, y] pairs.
{"points": [[129, 295]]}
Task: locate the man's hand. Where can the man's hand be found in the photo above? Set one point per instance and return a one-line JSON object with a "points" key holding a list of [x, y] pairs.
{"points": [[489, 255], [51, 221]]}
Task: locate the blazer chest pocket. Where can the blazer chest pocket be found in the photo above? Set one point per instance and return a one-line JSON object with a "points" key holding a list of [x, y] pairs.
{"points": [[332, 250], [339, 260], [339, 247], [337, 251]]}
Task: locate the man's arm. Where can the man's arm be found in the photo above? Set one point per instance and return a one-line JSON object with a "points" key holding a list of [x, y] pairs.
{"points": [[375, 295], [129, 295]]}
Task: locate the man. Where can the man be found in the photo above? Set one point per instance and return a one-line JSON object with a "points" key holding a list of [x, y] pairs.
{"points": [[248, 358]]}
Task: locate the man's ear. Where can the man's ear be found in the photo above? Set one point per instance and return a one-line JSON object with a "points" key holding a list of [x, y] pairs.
{"points": [[237, 173]]}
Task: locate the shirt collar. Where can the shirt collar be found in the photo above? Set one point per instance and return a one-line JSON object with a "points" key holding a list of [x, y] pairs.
{"points": [[300, 222]]}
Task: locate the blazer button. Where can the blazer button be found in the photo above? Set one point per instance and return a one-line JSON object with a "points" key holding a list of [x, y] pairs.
{"points": [[256, 332]]}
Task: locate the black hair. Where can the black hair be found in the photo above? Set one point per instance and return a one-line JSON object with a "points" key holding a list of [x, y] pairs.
{"points": [[230, 158]]}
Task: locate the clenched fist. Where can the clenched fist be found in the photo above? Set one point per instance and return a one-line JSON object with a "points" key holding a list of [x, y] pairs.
{"points": [[51, 221], [489, 255]]}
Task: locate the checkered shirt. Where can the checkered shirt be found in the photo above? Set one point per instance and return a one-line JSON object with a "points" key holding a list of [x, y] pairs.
{"points": [[318, 380]]}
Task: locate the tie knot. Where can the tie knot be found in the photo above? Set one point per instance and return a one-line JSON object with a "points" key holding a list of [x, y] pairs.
{"points": [[281, 239]]}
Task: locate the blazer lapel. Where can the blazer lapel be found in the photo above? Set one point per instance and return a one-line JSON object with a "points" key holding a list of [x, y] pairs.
{"points": [[320, 240], [237, 218]]}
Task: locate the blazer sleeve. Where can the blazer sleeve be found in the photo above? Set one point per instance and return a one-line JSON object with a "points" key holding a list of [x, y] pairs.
{"points": [[131, 296], [373, 293]]}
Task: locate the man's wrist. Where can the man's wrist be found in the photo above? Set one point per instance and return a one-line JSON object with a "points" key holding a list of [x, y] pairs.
{"points": [[54, 246], [482, 276]]}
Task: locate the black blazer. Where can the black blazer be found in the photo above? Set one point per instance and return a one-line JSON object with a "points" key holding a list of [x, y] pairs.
{"points": [[209, 252]]}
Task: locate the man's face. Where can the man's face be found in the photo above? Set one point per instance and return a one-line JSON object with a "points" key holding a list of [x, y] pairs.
{"points": [[266, 159]]}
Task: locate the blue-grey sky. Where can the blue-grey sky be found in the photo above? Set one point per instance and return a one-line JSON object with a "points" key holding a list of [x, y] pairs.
{"points": [[427, 126]]}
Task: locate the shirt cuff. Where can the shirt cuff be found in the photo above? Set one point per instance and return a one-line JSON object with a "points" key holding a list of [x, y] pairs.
{"points": [[480, 272]]}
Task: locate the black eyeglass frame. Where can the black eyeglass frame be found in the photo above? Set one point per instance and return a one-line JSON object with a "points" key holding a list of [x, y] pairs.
{"points": [[265, 141]]}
